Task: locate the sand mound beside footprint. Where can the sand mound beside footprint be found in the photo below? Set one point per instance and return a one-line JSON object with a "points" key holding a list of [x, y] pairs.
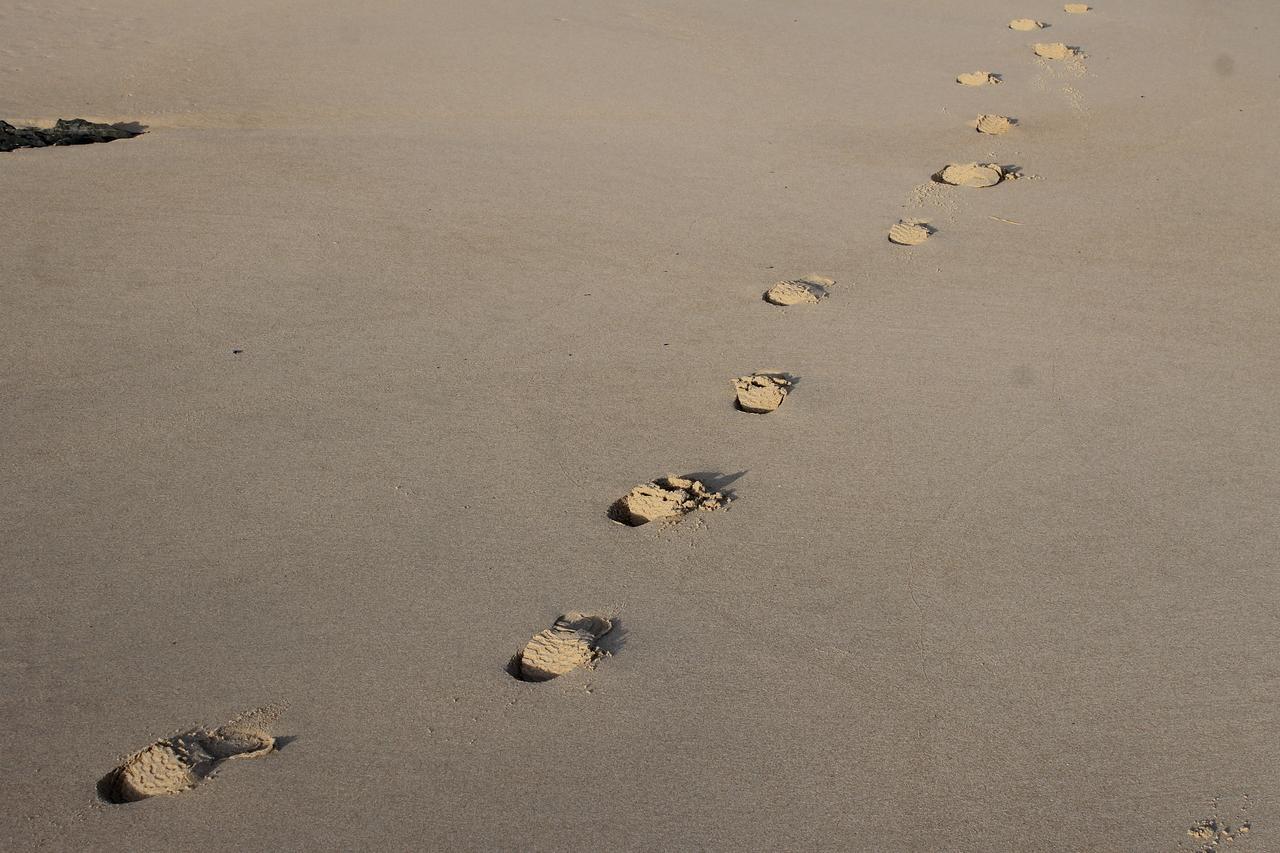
{"points": [[978, 175], [178, 763], [909, 232], [800, 291], [1052, 50], [567, 645], [761, 392], [978, 78], [667, 497], [993, 124], [1026, 24]]}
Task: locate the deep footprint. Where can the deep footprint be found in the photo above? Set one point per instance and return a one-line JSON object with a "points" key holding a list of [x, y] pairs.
{"points": [[668, 497], [179, 763], [74, 131], [800, 291], [978, 175], [569, 644], [761, 392], [1026, 24]]}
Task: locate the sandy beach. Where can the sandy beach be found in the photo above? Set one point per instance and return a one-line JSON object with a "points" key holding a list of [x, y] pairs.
{"points": [[321, 395]]}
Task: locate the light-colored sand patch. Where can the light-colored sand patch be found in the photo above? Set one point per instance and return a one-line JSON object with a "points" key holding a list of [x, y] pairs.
{"points": [[978, 78], [993, 124], [1026, 24], [910, 232], [567, 645], [1212, 834], [971, 174], [1077, 8], [180, 762], [1052, 50], [800, 291], [667, 497], [761, 392]]}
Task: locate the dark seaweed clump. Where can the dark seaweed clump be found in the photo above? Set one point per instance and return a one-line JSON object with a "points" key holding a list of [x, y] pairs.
{"points": [[75, 131]]}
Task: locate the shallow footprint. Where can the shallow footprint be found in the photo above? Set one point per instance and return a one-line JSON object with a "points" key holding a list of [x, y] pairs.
{"points": [[978, 175], [799, 291], [667, 497], [1077, 8], [910, 232], [1026, 24], [178, 763], [567, 645], [1052, 50], [761, 392], [993, 124], [978, 78]]}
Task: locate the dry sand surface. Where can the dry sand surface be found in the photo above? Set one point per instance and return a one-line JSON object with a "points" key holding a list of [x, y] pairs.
{"points": [[320, 393]]}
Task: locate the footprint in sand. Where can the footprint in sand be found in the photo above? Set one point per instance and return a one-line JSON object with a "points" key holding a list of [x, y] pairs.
{"points": [[1026, 24], [1077, 8], [1054, 50], [993, 124], [971, 175], [571, 643], [799, 291], [978, 78], [910, 232], [180, 762], [761, 392], [668, 497]]}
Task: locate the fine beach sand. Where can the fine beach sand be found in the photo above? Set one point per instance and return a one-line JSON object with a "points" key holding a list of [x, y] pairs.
{"points": [[319, 394]]}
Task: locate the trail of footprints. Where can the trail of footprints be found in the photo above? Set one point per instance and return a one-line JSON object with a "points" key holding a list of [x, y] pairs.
{"points": [[975, 175], [183, 761]]}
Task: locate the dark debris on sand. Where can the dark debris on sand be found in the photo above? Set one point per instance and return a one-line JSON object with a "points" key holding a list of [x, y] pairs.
{"points": [[74, 131]]}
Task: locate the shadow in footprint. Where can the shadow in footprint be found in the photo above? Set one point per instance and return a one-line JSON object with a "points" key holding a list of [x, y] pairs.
{"points": [[718, 481]]}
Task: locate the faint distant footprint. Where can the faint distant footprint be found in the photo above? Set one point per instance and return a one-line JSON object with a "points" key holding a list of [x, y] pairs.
{"points": [[571, 643], [978, 78], [668, 497], [1054, 50], [1214, 833], [761, 392], [1026, 24], [910, 232], [799, 291], [1077, 8], [180, 762], [994, 124]]}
